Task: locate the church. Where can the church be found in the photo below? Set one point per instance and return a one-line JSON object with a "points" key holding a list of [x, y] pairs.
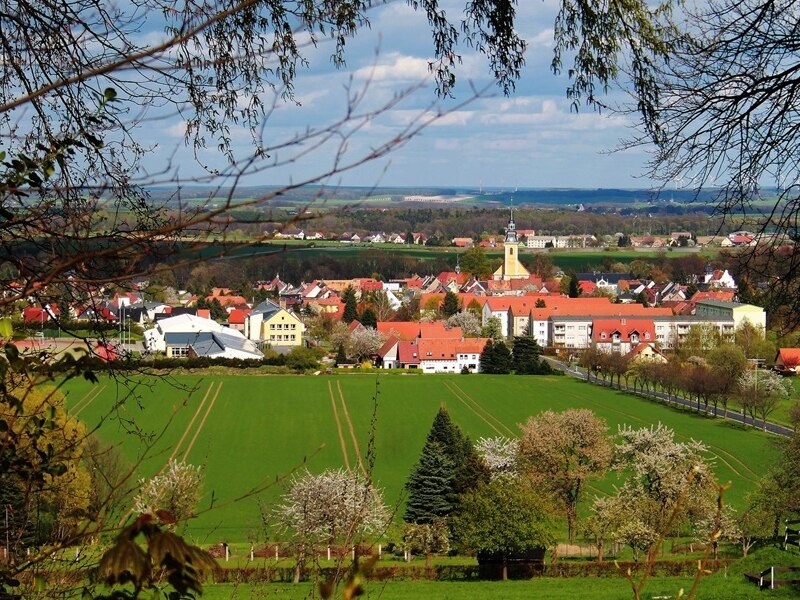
{"points": [[512, 268]]}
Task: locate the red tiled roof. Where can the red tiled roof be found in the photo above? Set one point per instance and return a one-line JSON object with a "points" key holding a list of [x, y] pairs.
{"points": [[407, 352], [37, 314], [788, 357], [402, 330], [645, 328], [227, 300], [388, 345], [447, 276], [444, 349], [236, 316], [724, 296], [411, 330]]}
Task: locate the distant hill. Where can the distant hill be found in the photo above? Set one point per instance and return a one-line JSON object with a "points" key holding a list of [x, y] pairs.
{"points": [[391, 196]]}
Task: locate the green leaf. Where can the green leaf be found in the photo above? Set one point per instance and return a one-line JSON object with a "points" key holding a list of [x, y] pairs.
{"points": [[109, 94], [6, 328]]}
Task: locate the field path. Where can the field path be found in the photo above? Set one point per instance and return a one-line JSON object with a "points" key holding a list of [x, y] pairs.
{"points": [[351, 428], [191, 423], [482, 409], [472, 408], [342, 443], [87, 400], [203, 422]]}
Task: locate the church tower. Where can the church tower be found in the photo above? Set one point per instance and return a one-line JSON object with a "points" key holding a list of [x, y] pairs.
{"points": [[512, 268]]}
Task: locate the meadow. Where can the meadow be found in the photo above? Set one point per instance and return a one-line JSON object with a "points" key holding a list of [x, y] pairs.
{"points": [[251, 432]]}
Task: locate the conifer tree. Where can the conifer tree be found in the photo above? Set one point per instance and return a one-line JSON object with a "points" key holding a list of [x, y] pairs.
{"points": [[368, 318], [450, 305], [525, 356], [502, 358], [350, 308], [429, 486], [487, 358]]}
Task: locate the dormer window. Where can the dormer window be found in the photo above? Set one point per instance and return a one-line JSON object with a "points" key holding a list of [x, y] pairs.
{"points": [[603, 335]]}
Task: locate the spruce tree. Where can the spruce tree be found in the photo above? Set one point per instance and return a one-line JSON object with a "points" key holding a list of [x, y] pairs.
{"points": [[487, 359], [502, 358], [368, 318], [429, 486], [341, 357], [450, 306], [525, 356], [350, 308]]}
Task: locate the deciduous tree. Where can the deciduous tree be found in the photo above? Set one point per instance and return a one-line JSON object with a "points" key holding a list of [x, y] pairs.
{"points": [[504, 517], [561, 451]]}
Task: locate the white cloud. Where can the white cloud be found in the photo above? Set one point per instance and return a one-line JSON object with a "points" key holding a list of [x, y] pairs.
{"points": [[394, 67]]}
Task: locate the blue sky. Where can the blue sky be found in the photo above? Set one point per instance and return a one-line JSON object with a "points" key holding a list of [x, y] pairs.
{"points": [[530, 139]]}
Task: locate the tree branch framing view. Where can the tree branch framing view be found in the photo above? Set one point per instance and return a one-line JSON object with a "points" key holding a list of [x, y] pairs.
{"points": [[83, 83]]}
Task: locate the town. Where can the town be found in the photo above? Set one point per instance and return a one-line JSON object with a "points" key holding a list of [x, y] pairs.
{"points": [[437, 323]]}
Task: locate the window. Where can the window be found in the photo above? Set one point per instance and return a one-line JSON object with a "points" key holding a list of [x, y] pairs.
{"points": [[272, 325], [293, 326], [603, 336]]}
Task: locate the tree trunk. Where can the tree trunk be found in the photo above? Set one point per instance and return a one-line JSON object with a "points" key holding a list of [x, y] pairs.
{"points": [[505, 568]]}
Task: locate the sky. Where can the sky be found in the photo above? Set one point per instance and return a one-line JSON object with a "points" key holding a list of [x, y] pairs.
{"points": [[531, 139]]}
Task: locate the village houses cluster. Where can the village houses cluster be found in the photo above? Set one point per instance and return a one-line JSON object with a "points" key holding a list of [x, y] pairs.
{"points": [[516, 301]]}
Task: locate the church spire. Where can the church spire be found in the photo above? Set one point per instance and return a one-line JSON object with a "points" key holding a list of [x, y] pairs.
{"points": [[511, 228]]}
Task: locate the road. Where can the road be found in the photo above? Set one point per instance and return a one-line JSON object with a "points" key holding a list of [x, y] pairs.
{"points": [[676, 400]]}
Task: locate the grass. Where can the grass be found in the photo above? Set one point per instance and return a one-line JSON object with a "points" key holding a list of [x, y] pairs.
{"points": [[716, 587], [257, 429]]}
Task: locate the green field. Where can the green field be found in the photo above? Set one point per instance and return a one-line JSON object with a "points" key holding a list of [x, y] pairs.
{"points": [[248, 431]]}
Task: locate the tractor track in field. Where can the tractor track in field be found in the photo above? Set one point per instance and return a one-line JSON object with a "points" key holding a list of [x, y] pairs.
{"points": [[203, 422], [342, 442], [477, 414], [84, 402], [188, 428], [482, 408], [712, 449], [353, 437]]}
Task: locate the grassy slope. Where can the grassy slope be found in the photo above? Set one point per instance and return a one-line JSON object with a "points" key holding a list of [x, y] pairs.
{"points": [[260, 427]]}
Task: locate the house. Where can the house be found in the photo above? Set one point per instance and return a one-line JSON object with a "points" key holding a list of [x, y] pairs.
{"points": [[787, 361], [646, 352], [716, 278], [435, 355], [450, 356], [462, 242], [269, 323], [40, 314], [236, 318], [420, 238], [388, 355], [622, 335]]}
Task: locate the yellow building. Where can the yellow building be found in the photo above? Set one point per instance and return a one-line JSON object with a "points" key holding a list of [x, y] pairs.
{"points": [[735, 311], [276, 326], [512, 268]]}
